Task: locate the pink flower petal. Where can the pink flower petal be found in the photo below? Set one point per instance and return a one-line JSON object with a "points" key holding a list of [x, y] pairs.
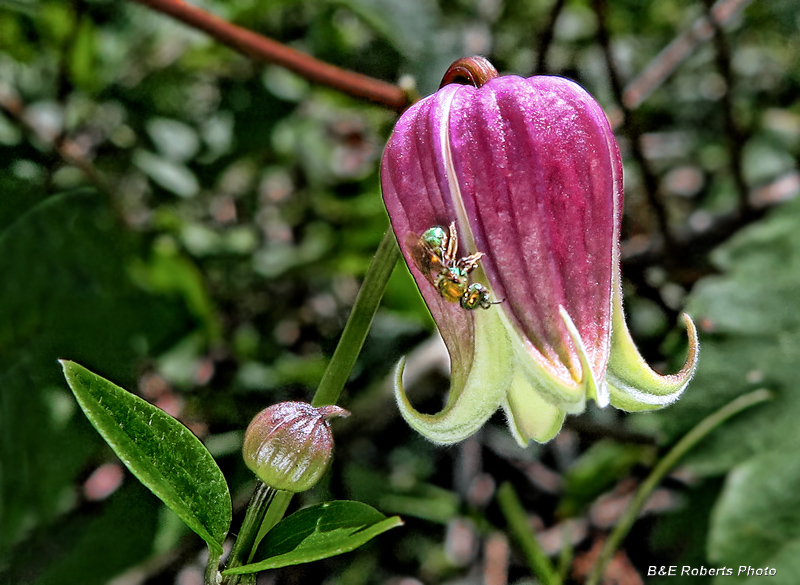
{"points": [[539, 173]]}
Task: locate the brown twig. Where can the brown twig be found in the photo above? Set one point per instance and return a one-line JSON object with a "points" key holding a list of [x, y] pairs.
{"points": [[631, 127], [546, 38], [668, 60], [736, 138], [698, 241], [261, 48]]}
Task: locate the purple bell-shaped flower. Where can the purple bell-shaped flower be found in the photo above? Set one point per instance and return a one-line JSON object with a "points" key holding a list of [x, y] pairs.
{"points": [[505, 195]]}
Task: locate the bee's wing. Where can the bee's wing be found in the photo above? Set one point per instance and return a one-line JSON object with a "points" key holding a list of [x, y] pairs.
{"points": [[423, 255]]}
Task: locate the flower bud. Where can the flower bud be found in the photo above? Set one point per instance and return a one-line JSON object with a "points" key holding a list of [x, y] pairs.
{"points": [[288, 445]]}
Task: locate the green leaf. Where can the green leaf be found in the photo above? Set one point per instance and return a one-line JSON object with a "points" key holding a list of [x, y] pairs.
{"points": [[170, 175], [318, 532], [749, 317], [82, 56], [758, 511], [749, 320], [166, 457], [417, 30], [409, 26], [786, 564]]}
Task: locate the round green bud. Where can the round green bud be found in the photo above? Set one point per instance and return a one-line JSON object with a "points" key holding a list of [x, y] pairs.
{"points": [[289, 445]]}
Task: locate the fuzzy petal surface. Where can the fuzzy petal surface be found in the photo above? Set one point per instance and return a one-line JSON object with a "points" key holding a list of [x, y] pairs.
{"points": [[540, 179]]}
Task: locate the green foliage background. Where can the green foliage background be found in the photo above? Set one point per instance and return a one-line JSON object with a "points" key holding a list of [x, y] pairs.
{"points": [[214, 272]]}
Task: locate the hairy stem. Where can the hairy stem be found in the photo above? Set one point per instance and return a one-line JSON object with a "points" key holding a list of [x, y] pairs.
{"points": [[212, 568], [246, 539], [267, 506], [358, 324]]}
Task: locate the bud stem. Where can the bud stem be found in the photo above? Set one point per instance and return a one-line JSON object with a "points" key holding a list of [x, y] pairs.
{"points": [[212, 568], [246, 541], [358, 324], [275, 512], [267, 506]]}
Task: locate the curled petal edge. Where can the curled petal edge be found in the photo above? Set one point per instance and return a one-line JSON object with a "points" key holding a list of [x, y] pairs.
{"points": [[471, 405], [632, 384], [535, 403]]}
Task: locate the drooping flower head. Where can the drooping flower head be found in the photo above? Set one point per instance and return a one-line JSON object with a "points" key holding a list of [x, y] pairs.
{"points": [[505, 195]]}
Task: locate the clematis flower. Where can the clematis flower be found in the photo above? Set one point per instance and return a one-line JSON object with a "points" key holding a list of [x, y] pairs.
{"points": [[529, 174]]}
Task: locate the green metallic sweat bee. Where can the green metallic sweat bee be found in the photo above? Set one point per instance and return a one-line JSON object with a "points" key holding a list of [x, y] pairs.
{"points": [[435, 253]]}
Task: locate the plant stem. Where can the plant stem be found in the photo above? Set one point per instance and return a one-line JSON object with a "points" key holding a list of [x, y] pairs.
{"points": [[212, 568], [277, 509], [517, 521], [698, 433], [267, 506], [246, 540], [358, 324], [567, 552], [264, 49]]}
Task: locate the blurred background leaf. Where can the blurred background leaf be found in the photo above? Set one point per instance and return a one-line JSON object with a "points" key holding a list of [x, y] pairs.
{"points": [[66, 294]]}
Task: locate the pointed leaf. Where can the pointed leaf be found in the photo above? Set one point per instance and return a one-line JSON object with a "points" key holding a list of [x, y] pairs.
{"points": [[318, 532], [166, 457]]}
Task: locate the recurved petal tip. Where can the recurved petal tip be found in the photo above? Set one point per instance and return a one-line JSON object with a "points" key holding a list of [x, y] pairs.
{"points": [[633, 385], [473, 399], [457, 421]]}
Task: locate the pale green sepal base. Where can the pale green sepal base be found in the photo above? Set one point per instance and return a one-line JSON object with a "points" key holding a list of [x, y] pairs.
{"points": [[470, 406], [568, 395], [529, 415], [633, 385]]}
